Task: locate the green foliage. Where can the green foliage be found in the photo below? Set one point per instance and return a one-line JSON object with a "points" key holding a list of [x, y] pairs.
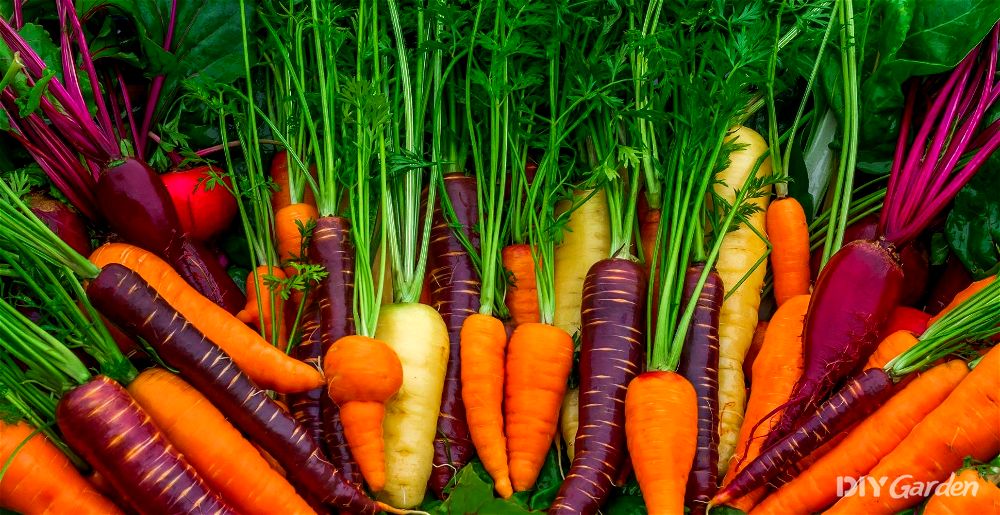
{"points": [[973, 226]]}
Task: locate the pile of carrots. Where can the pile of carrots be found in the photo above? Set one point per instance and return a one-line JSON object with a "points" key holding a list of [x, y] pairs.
{"points": [[437, 279]]}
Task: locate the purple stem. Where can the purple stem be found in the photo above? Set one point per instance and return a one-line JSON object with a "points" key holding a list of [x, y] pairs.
{"points": [[897, 159], [88, 66], [128, 105], [157, 86], [18, 14]]}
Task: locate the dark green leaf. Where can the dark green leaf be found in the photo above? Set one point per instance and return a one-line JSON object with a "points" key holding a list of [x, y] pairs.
{"points": [[472, 492], [973, 226]]}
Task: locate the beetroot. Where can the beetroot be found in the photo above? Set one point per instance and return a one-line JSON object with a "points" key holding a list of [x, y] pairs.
{"points": [[62, 220]]}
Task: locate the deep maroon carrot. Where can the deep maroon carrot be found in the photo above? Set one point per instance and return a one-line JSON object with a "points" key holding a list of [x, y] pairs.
{"points": [[859, 397], [123, 297], [454, 288], [611, 355], [331, 247], [700, 366], [137, 205], [305, 406], [852, 299], [100, 421]]}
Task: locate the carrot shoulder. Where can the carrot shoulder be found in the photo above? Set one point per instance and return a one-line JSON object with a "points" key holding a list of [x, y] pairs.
{"points": [[958, 496]]}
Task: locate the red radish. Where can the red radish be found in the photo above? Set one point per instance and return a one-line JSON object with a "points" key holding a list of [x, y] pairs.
{"points": [[204, 211]]}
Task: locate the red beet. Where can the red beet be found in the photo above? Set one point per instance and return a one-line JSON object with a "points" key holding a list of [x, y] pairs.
{"points": [[204, 213], [63, 220]]}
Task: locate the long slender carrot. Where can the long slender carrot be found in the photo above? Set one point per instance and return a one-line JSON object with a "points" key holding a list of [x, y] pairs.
{"points": [[788, 233], [663, 404], [867, 443], [522, 289], [40, 479], [280, 197], [963, 425], [961, 296], [289, 223], [268, 366], [484, 343], [958, 496], [539, 360], [272, 314], [224, 458], [779, 366], [362, 374]]}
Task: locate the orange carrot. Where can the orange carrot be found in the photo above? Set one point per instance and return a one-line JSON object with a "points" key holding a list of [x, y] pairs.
{"points": [[754, 350], [961, 296], [362, 374], [958, 497], [539, 360], [40, 479], [965, 424], [267, 366], [288, 224], [484, 342], [866, 444], [890, 347], [218, 451], [779, 366], [272, 314], [279, 175], [789, 235], [661, 428], [522, 291]]}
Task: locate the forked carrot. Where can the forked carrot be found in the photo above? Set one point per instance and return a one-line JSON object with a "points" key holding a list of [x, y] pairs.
{"points": [[788, 233], [484, 343], [39, 478], [779, 366], [229, 463], [522, 290], [963, 425], [661, 403], [867, 443], [539, 360], [362, 374], [958, 496], [273, 313], [268, 366]]}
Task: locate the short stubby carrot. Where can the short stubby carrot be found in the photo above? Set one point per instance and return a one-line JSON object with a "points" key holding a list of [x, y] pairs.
{"points": [[539, 361], [522, 289], [661, 428], [268, 366], [869, 441], [39, 478], [964, 493], [268, 307], [289, 223], [362, 374], [484, 343], [788, 233], [229, 463]]}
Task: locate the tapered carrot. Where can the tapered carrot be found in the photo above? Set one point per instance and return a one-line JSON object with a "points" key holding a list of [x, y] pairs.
{"points": [[964, 493], [661, 426], [965, 424], [39, 478], [648, 229], [779, 366], [539, 360], [961, 296], [271, 307], [484, 342], [522, 290], [281, 195], [362, 374], [788, 233], [867, 443], [218, 451], [268, 366], [289, 223]]}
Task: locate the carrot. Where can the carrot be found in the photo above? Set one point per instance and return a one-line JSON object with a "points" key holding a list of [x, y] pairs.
{"points": [[648, 230], [586, 240], [778, 366], [754, 350], [961, 296], [289, 222], [788, 233], [275, 326], [663, 404], [956, 497], [229, 463], [964, 424], [268, 366], [281, 196], [484, 342], [890, 347], [306, 406], [569, 420], [867, 443], [539, 360], [522, 290], [40, 479], [362, 374]]}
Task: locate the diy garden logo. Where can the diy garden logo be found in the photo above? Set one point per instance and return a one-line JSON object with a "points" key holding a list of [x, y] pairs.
{"points": [[903, 487]]}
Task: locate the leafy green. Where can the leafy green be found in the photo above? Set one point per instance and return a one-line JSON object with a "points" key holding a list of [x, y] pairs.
{"points": [[473, 493], [973, 226]]}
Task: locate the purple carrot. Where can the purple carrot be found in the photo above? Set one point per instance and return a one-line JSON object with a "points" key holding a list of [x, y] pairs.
{"points": [[611, 355], [331, 247], [128, 301], [305, 406], [101, 422], [137, 205], [63, 220], [454, 288], [699, 364], [859, 397]]}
